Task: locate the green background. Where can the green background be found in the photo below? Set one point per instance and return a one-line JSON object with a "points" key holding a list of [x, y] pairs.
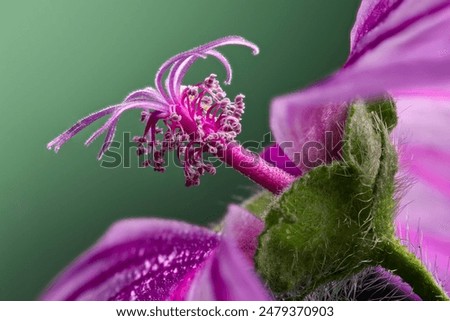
{"points": [[61, 60]]}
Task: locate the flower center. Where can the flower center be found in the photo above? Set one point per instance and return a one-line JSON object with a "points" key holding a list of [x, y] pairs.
{"points": [[201, 123]]}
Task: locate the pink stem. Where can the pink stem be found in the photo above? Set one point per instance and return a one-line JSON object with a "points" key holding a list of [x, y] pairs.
{"points": [[257, 169]]}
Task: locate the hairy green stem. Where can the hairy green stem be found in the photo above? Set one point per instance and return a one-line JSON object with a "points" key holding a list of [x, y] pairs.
{"points": [[403, 263]]}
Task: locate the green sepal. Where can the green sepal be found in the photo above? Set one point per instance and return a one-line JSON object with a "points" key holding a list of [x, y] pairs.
{"points": [[330, 223], [386, 111], [259, 204]]}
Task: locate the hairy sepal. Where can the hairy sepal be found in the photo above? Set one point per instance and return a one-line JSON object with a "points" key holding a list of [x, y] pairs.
{"points": [[329, 225]]}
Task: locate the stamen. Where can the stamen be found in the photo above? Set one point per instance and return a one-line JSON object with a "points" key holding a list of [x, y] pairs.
{"points": [[216, 122]]}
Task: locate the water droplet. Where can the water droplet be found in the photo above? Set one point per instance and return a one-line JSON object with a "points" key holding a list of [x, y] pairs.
{"points": [[172, 255], [161, 258]]}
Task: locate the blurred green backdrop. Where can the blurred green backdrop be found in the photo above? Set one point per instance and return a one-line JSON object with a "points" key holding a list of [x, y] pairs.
{"points": [[60, 60]]}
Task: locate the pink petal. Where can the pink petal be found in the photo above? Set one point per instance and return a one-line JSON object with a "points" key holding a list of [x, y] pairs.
{"points": [[244, 228], [309, 136], [370, 14], [424, 219], [229, 273], [137, 259], [405, 45], [155, 259], [423, 118], [275, 155], [227, 277], [379, 20]]}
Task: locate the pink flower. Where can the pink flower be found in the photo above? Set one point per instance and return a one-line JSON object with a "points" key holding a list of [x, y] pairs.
{"points": [[400, 47]]}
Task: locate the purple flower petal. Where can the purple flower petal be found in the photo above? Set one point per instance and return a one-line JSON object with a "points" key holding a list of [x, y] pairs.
{"points": [[137, 259], [244, 228], [229, 274], [424, 219], [395, 45], [309, 136], [370, 14], [423, 118], [155, 259], [275, 155], [381, 21]]}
